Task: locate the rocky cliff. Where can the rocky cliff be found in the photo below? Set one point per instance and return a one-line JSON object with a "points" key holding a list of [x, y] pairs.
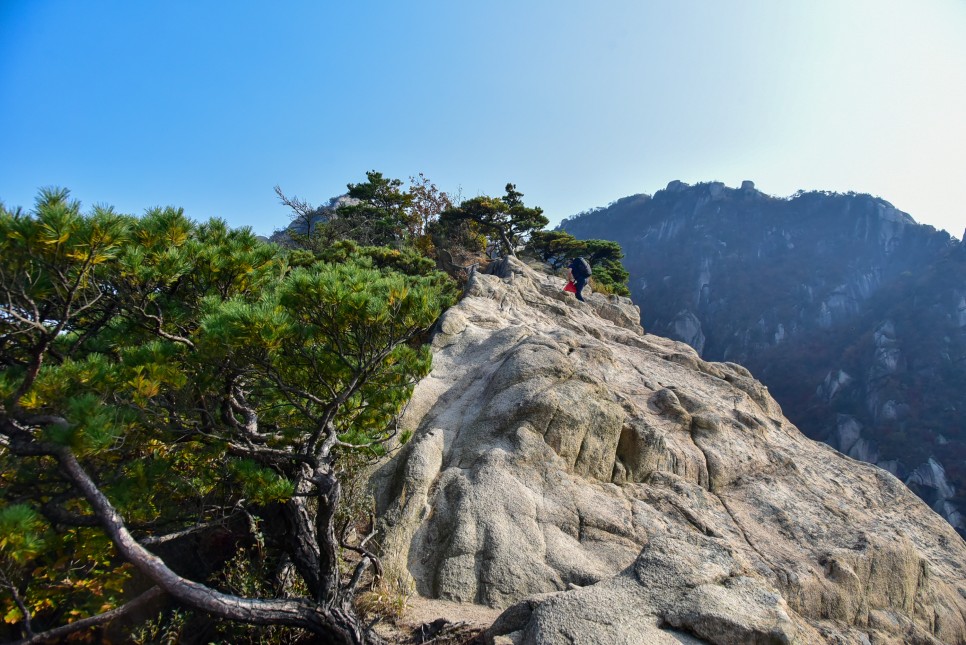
{"points": [[850, 312], [607, 486]]}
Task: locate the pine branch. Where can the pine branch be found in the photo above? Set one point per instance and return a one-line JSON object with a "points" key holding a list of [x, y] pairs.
{"points": [[157, 329], [58, 633], [12, 588], [156, 540]]}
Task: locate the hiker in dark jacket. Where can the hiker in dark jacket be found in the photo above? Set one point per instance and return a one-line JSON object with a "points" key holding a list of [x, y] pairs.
{"points": [[579, 271]]}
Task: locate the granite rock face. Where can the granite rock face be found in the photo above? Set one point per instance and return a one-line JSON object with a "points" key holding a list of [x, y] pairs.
{"points": [[607, 486]]}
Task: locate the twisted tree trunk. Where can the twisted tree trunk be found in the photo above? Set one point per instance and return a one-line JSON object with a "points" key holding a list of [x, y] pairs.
{"points": [[333, 619]]}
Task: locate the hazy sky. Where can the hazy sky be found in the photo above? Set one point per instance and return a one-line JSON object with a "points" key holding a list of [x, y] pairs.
{"points": [[208, 105]]}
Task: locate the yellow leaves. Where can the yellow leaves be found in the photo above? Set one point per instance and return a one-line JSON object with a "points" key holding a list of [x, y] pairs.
{"points": [[396, 296], [83, 255], [157, 448], [95, 587], [78, 576], [149, 371], [168, 238], [52, 237], [92, 585], [40, 605], [32, 400], [144, 387], [13, 615]]}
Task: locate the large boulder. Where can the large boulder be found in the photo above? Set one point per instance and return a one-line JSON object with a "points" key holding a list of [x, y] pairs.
{"points": [[607, 486]]}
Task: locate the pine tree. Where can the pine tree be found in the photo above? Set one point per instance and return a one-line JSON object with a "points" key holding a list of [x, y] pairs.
{"points": [[505, 218], [161, 377], [556, 248], [381, 216]]}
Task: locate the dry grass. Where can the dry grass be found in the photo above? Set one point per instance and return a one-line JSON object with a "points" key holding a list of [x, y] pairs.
{"points": [[389, 597]]}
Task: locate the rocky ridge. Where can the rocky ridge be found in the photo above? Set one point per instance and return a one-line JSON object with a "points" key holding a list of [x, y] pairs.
{"points": [[608, 486]]}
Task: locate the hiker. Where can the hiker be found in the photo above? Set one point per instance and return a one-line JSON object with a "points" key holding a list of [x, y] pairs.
{"points": [[579, 271]]}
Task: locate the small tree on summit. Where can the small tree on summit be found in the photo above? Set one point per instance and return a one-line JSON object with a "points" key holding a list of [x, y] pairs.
{"points": [[427, 202], [505, 218], [605, 256], [555, 248], [382, 216], [600, 251]]}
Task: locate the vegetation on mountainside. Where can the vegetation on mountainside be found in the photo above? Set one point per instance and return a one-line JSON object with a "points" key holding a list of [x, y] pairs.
{"points": [[926, 385], [506, 218], [184, 408], [378, 214], [425, 221], [164, 381]]}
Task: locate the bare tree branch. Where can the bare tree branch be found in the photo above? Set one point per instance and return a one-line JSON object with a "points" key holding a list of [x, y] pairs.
{"points": [[158, 329], [304, 211], [301, 207], [271, 455], [367, 558], [12, 588], [156, 540]]}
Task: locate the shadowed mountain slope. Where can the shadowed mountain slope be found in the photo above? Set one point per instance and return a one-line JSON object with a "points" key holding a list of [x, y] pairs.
{"points": [[851, 313]]}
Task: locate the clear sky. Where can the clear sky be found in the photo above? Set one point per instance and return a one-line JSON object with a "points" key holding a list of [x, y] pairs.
{"points": [[208, 105]]}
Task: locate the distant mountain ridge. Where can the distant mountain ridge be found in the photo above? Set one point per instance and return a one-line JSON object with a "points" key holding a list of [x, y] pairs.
{"points": [[852, 313]]}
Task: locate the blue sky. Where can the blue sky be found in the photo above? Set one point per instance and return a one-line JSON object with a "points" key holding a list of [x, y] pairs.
{"points": [[209, 105]]}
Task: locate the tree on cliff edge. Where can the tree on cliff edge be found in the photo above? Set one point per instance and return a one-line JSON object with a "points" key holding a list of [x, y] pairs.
{"points": [[505, 218], [159, 377], [556, 248]]}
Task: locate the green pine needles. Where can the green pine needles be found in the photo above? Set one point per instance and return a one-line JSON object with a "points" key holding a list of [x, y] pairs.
{"points": [[161, 378]]}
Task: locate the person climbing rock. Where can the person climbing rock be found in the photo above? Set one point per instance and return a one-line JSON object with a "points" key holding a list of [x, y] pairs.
{"points": [[579, 271]]}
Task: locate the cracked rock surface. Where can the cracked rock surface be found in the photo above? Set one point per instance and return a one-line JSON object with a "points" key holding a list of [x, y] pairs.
{"points": [[607, 486]]}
